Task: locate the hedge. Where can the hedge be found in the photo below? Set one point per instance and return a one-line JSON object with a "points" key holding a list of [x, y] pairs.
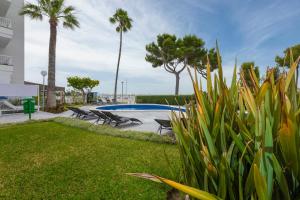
{"points": [[115, 132], [165, 99]]}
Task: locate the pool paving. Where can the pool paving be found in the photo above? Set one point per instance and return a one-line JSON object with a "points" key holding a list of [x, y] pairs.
{"points": [[147, 117]]}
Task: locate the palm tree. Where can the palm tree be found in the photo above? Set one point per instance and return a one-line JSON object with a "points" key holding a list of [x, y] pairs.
{"points": [[56, 11], [123, 25]]}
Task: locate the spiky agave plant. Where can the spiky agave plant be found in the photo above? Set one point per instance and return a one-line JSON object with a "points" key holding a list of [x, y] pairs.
{"points": [[238, 142]]}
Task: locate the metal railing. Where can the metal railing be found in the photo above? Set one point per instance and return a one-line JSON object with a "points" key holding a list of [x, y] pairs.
{"points": [[6, 60], [5, 22]]}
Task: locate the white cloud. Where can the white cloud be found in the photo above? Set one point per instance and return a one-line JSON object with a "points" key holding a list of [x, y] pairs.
{"points": [[92, 50], [260, 22]]}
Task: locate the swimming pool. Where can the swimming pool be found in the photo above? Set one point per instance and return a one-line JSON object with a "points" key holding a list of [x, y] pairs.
{"points": [[140, 107]]}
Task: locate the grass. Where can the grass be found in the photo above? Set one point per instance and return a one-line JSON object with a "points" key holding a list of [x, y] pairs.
{"points": [[111, 131], [49, 160]]}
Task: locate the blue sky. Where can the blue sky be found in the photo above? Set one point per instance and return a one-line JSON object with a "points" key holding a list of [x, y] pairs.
{"points": [[251, 30]]}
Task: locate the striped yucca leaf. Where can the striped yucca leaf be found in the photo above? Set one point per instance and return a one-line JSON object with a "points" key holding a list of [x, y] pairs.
{"points": [[189, 190], [275, 125]]}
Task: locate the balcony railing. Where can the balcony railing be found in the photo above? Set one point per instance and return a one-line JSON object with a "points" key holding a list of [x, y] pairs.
{"points": [[5, 22], [6, 60]]}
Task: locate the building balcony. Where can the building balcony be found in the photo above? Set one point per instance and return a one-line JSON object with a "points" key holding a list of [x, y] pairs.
{"points": [[6, 60], [4, 6], [6, 69], [5, 23], [6, 32]]}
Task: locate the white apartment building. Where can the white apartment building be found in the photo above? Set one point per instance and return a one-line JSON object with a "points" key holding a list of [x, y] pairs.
{"points": [[11, 42]]}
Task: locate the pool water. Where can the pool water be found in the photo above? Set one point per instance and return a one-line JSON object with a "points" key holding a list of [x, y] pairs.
{"points": [[141, 107]]}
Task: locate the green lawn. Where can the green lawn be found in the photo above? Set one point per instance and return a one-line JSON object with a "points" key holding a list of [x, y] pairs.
{"points": [[47, 160]]}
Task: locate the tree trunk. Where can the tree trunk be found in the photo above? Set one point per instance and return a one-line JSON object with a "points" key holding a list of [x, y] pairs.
{"points": [[118, 66], [83, 97], [297, 76], [177, 84], [51, 94]]}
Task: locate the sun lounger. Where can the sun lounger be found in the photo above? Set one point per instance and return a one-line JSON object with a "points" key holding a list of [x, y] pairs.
{"points": [[86, 114], [101, 117], [163, 124], [82, 114], [120, 120], [75, 112], [100, 101], [108, 100]]}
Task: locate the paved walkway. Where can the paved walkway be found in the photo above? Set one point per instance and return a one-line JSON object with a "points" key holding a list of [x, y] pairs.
{"points": [[147, 117], [20, 117]]}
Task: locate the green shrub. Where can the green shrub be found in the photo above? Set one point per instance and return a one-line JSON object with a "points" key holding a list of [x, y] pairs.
{"points": [[239, 142], [165, 99], [58, 109]]}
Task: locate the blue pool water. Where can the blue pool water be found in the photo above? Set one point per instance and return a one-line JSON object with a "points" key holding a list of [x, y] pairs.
{"points": [[140, 107]]}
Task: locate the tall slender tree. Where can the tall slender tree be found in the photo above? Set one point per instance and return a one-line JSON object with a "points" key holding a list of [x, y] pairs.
{"points": [[124, 24], [56, 12]]}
